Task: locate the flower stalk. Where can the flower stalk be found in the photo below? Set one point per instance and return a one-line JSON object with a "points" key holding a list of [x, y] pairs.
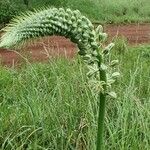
{"points": [[101, 113]]}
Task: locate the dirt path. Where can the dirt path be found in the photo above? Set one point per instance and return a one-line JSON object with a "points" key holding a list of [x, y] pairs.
{"points": [[59, 46], [135, 34]]}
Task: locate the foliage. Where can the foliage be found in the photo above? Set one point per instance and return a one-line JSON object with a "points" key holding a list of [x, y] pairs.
{"points": [[108, 11], [37, 110], [9, 9]]}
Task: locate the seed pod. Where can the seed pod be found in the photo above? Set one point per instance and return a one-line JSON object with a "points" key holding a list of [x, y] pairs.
{"points": [[102, 37], [112, 94], [114, 63], [94, 45], [99, 29], [108, 48], [115, 75]]}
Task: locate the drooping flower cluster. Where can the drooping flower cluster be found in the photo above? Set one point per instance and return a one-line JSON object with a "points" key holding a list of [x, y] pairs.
{"points": [[63, 22], [70, 24]]}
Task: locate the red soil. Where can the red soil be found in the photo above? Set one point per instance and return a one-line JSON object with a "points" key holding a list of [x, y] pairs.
{"points": [[135, 34], [59, 46]]}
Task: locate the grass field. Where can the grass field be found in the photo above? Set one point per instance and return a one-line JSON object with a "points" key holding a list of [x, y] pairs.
{"points": [[108, 11], [50, 106], [113, 11]]}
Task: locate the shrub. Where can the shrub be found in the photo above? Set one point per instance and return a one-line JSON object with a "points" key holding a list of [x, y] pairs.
{"points": [[9, 9]]}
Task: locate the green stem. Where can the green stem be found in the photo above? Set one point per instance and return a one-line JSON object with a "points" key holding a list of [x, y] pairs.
{"points": [[101, 114]]}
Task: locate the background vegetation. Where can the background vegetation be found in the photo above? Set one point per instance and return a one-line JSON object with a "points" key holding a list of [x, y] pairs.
{"points": [[103, 11], [50, 105]]}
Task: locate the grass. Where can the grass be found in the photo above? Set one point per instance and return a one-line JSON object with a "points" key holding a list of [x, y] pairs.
{"points": [[108, 11], [113, 11], [49, 106]]}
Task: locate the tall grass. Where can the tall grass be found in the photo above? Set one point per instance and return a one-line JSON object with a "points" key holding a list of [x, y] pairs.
{"points": [[104, 11], [113, 11], [50, 106]]}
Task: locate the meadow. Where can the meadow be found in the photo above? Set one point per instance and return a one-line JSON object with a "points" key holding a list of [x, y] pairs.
{"points": [[108, 11], [50, 105]]}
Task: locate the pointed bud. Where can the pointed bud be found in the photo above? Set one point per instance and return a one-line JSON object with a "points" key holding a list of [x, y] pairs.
{"points": [[112, 94], [115, 74], [114, 63], [99, 29], [108, 48]]}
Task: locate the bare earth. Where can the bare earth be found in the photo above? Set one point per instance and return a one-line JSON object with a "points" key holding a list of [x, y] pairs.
{"points": [[59, 46]]}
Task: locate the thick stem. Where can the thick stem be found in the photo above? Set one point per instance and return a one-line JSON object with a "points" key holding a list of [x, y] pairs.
{"points": [[101, 114], [100, 132]]}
